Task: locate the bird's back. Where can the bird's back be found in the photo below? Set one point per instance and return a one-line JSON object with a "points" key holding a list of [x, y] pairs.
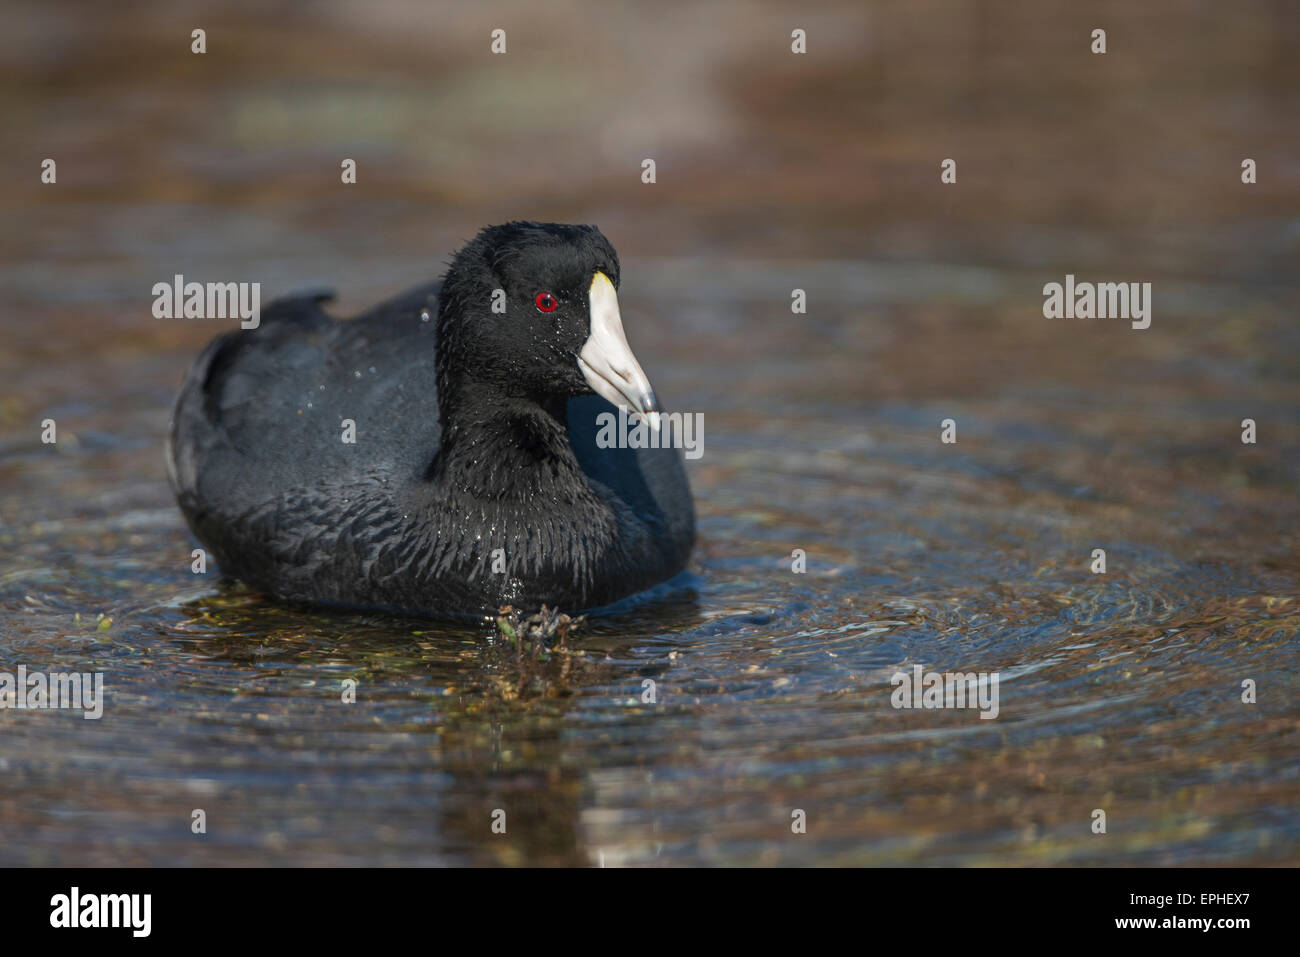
{"points": [[267, 410]]}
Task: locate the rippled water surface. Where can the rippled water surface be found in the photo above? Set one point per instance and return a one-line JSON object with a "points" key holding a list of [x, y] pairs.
{"points": [[1119, 691]]}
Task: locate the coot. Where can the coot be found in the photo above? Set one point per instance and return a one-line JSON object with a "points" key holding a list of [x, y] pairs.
{"points": [[473, 477]]}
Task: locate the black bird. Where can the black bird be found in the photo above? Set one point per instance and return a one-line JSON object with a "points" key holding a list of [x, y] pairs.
{"points": [[475, 478]]}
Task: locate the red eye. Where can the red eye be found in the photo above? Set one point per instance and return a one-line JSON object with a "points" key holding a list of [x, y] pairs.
{"points": [[546, 302]]}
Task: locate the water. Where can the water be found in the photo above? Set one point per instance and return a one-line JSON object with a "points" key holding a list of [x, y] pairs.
{"points": [[1119, 691]]}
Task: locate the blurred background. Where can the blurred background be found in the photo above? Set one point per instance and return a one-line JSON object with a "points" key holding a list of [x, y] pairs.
{"points": [[775, 171]]}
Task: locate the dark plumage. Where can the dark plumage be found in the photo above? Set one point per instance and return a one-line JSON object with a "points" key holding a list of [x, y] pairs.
{"points": [[475, 431]]}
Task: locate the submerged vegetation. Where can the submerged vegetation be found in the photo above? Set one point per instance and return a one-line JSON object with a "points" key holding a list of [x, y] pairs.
{"points": [[542, 662]]}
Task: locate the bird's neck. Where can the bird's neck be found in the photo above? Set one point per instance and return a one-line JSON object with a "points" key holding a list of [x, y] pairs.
{"points": [[507, 503], [501, 447]]}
